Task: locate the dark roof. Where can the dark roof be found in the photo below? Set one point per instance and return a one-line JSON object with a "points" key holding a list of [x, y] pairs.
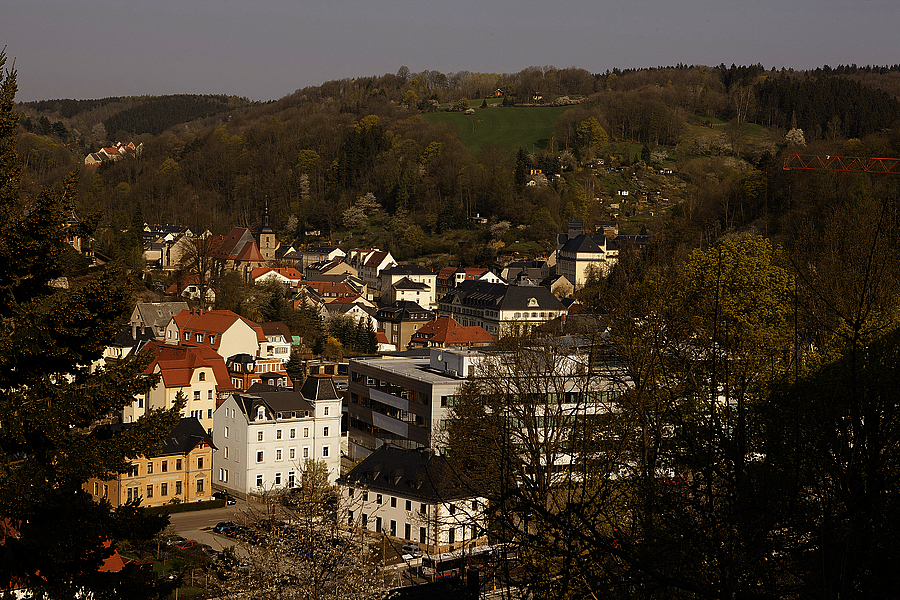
{"points": [[276, 328], [411, 473], [125, 339], [408, 284], [402, 310], [274, 399], [503, 297], [186, 434], [319, 387], [408, 270], [584, 243]]}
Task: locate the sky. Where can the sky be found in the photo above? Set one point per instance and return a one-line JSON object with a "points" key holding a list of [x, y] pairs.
{"points": [[267, 49]]}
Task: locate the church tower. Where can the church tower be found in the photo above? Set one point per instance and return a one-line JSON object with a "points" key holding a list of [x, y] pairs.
{"points": [[265, 239]]}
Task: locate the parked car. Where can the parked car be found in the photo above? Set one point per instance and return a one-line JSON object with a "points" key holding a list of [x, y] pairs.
{"points": [[187, 544], [175, 540], [413, 551], [224, 527], [228, 498]]}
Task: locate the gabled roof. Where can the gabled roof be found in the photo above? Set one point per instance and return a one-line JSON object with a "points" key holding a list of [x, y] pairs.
{"points": [[407, 270], [375, 258], [584, 243], [158, 314], [446, 331], [411, 473], [402, 310], [276, 328], [250, 253], [500, 296], [286, 272], [215, 322], [177, 364], [234, 242], [188, 432], [408, 284]]}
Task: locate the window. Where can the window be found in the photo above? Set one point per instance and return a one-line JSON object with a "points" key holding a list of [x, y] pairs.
{"points": [[226, 431], [393, 528], [199, 462], [293, 433], [212, 339], [141, 402], [292, 453], [306, 432], [165, 467], [199, 487], [378, 524], [365, 496], [149, 468], [187, 336], [378, 499], [306, 452], [365, 520], [325, 451], [261, 414], [259, 436], [196, 395], [325, 432], [202, 376], [177, 488], [164, 489], [149, 490], [106, 491], [474, 504], [423, 509], [408, 507], [96, 488], [226, 451], [350, 518], [451, 535], [277, 478], [326, 411], [209, 397], [393, 502], [259, 456], [452, 509], [407, 532], [278, 454], [259, 481], [291, 478], [277, 434], [422, 536]]}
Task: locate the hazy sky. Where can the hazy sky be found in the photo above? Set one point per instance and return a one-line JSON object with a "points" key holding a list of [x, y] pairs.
{"points": [[266, 49]]}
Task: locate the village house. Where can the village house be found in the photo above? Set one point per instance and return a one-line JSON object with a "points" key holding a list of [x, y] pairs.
{"points": [[227, 333], [180, 469], [266, 434], [414, 495]]}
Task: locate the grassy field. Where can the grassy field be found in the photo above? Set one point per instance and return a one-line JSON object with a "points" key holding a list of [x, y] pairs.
{"points": [[510, 127]]}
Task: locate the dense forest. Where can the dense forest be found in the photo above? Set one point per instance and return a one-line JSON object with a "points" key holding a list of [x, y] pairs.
{"points": [[312, 154]]}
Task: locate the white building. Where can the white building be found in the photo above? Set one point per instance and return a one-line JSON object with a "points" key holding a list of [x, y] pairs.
{"points": [[416, 496], [265, 435]]}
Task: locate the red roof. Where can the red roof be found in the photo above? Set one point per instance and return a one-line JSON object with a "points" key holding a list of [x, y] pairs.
{"points": [[215, 322], [445, 331], [250, 253], [289, 272], [178, 363]]}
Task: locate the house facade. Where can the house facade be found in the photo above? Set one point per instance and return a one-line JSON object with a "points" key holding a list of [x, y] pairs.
{"points": [[413, 273], [496, 307], [225, 332], [266, 434], [180, 468], [414, 495], [197, 372]]}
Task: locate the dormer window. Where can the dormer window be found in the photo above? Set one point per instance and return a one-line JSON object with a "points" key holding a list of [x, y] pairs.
{"points": [[187, 336], [261, 414], [202, 376], [199, 338], [212, 340], [532, 302]]}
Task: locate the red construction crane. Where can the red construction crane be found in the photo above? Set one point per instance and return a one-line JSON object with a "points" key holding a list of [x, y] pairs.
{"points": [[852, 164]]}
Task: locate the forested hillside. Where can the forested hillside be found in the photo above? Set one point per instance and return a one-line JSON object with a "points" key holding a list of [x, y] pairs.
{"points": [[312, 154]]}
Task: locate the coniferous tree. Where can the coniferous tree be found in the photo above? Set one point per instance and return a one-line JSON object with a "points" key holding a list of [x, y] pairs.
{"points": [[51, 397]]}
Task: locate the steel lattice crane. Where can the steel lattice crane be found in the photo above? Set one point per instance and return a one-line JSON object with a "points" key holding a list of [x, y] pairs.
{"points": [[842, 164]]}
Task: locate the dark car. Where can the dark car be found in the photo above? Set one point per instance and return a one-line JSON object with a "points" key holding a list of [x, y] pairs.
{"points": [[175, 540], [228, 498], [224, 527]]}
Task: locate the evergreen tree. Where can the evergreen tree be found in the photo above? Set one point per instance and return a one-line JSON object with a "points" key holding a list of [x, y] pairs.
{"points": [[51, 397]]}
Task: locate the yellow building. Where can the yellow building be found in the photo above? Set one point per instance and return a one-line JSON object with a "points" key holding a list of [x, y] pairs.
{"points": [[182, 469]]}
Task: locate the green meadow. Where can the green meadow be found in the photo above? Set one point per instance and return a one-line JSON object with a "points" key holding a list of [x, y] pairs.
{"points": [[509, 127]]}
